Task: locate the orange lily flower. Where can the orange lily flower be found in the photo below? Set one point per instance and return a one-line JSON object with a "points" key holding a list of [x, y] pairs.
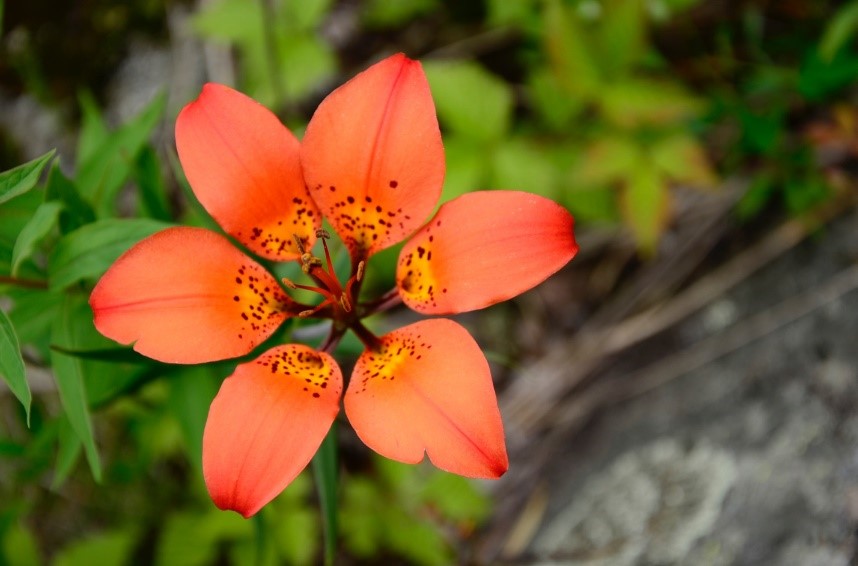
{"points": [[372, 163]]}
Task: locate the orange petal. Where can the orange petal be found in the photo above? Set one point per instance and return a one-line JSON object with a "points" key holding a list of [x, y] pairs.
{"points": [[484, 248], [186, 295], [265, 424], [243, 166], [372, 156], [429, 388]]}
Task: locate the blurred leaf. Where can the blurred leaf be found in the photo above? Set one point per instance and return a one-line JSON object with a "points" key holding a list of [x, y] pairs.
{"points": [[307, 14], [467, 168], [100, 177], [419, 543], [521, 164], [19, 547], [43, 220], [840, 29], [608, 159], [76, 211], [569, 51], [325, 468], [306, 62], [69, 379], [455, 84], [386, 14], [192, 539], [90, 250], [591, 204], [191, 392], [154, 202], [645, 204], [681, 158], [109, 548], [758, 194], [457, 498], [803, 193], [15, 214], [622, 36], [33, 313], [20, 179], [69, 451], [636, 102], [93, 129], [761, 131], [552, 102], [12, 364], [518, 13], [818, 78]]}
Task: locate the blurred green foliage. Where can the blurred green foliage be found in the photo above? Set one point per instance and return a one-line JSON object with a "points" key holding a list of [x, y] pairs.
{"points": [[584, 101]]}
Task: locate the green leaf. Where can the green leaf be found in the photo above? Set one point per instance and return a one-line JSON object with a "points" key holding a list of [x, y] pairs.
{"points": [[69, 377], [43, 220], [154, 202], [70, 448], [110, 548], [308, 14], [22, 178], [100, 177], [93, 129], [521, 164], [191, 539], [19, 547], [556, 108], [386, 14], [645, 204], [90, 250], [818, 78], [840, 29], [484, 117], [681, 158], [467, 169], [621, 36], [191, 392], [76, 211], [570, 52], [32, 313], [608, 159], [12, 364], [325, 471], [636, 102]]}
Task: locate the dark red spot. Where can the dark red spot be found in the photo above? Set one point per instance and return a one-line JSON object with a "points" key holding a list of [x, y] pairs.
{"points": [[394, 184]]}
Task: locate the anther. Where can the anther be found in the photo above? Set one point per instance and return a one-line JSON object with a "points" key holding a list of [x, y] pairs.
{"points": [[322, 233], [289, 283], [359, 274], [299, 244], [344, 302]]}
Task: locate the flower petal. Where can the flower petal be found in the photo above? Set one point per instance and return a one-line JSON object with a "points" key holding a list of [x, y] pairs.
{"points": [[265, 424], [243, 166], [186, 295], [484, 248], [429, 388], [372, 155]]}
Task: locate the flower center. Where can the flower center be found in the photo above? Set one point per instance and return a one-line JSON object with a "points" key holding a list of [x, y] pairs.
{"points": [[341, 300]]}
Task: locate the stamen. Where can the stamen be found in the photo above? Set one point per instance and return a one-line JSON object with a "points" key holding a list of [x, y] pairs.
{"points": [[344, 302], [289, 283], [299, 243], [359, 274]]}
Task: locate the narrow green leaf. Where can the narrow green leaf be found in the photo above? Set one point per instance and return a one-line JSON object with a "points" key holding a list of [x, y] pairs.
{"points": [[90, 250], [44, 219], [153, 193], [840, 29], [69, 377], [485, 117], [622, 36], [22, 178], [12, 364], [76, 211], [325, 471], [101, 176], [93, 129], [70, 448], [569, 50]]}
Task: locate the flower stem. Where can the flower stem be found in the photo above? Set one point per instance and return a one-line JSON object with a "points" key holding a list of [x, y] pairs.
{"points": [[363, 333]]}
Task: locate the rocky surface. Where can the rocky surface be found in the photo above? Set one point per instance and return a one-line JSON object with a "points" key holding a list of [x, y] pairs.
{"points": [[751, 458]]}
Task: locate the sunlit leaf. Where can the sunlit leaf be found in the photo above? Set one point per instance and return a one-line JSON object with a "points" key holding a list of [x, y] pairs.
{"points": [[12, 364], [19, 547], [467, 168], [457, 498], [70, 383], [608, 159], [192, 539], [521, 164], [44, 219], [553, 103], [455, 84], [20, 179], [90, 250]]}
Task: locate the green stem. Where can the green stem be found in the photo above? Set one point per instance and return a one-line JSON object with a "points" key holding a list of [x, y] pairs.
{"points": [[325, 471]]}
